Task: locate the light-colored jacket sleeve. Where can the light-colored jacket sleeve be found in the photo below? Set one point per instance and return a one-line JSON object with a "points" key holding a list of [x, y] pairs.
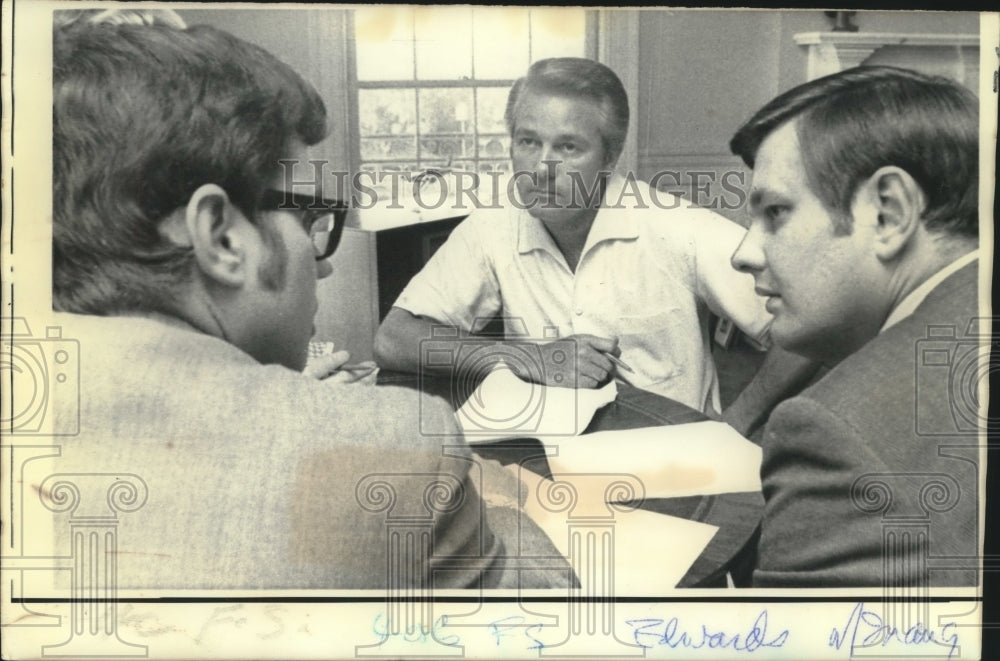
{"points": [[418, 470]]}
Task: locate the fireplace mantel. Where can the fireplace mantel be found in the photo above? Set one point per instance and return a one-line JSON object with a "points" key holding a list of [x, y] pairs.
{"points": [[830, 52]]}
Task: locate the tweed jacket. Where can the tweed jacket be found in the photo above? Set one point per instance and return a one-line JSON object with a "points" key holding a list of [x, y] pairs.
{"points": [[260, 477]]}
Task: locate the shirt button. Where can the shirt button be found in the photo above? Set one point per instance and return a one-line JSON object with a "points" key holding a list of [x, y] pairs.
{"points": [[579, 311]]}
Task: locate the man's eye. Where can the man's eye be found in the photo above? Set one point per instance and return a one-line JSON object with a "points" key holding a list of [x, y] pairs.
{"points": [[775, 211], [526, 142], [568, 147]]}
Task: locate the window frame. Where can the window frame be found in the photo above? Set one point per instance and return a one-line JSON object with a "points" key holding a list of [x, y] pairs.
{"points": [[590, 50]]}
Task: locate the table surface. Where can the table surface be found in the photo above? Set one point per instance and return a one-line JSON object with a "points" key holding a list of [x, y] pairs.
{"points": [[735, 514]]}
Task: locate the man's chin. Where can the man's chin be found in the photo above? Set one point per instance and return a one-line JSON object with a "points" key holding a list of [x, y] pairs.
{"points": [[784, 337], [793, 342]]}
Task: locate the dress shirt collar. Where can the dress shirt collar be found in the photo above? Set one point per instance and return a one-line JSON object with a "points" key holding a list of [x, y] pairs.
{"points": [[610, 223], [913, 300]]}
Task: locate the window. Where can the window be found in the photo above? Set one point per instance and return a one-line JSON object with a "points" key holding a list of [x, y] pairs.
{"points": [[432, 82]]}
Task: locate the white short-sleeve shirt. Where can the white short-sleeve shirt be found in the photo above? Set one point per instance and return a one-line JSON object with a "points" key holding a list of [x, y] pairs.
{"points": [[652, 266]]}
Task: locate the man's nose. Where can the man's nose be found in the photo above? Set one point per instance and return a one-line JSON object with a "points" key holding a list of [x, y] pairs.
{"points": [[323, 268], [749, 255], [547, 166]]}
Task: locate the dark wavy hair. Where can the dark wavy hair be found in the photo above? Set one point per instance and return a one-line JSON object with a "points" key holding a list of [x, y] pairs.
{"points": [[142, 116], [851, 123], [581, 78]]}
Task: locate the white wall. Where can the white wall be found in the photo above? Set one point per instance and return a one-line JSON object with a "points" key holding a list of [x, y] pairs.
{"points": [[703, 73]]}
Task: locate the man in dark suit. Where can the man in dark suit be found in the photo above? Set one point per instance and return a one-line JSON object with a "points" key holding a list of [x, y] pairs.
{"points": [[864, 238]]}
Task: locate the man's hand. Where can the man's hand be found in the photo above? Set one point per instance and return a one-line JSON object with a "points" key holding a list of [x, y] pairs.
{"points": [[592, 365], [333, 367]]}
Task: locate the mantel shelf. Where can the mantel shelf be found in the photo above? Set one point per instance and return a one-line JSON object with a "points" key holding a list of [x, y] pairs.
{"points": [[830, 52]]}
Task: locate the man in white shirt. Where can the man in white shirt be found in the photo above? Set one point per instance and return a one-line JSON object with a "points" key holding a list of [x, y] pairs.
{"points": [[627, 273], [864, 239]]}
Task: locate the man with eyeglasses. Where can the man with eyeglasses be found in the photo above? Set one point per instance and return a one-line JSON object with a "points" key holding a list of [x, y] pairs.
{"points": [[187, 273]]}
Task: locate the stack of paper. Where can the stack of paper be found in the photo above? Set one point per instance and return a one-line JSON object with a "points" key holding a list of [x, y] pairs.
{"points": [[651, 552], [504, 406], [673, 461], [648, 552]]}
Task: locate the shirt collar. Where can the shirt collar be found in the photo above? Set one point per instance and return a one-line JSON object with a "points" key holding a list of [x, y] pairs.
{"points": [[610, 223], [913, 300]]}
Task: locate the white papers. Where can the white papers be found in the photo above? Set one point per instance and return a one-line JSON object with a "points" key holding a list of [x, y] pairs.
{"points": [[504, 406], [651, 552], [679, 460]]}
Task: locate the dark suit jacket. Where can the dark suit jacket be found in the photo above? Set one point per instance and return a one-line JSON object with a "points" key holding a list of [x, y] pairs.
{"points": [[871, 476]]}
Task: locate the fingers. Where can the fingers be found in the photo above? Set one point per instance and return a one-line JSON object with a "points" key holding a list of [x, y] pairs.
{"points": [[339, 359], [321, 367], [593, 366], [334, 368], [599, 344], [364, 373]]}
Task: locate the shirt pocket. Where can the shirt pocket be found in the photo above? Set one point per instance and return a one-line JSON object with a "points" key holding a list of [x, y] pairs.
{"points": [[654, 347]]}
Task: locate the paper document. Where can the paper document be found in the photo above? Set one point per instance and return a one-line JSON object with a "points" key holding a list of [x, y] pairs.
{"points": [[672, 461], [504, 406], [651, 552]]}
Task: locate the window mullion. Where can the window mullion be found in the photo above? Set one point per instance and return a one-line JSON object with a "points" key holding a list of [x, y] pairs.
{"points": [[475, 94], [416, 94], [353, 102]]}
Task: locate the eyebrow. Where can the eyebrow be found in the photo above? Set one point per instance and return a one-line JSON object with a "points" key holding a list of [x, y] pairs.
{"points": [[559, 138], [758, 195]]}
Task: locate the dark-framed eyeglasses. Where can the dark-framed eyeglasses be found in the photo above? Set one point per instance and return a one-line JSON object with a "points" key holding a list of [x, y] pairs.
{"points": [[322, 219]]}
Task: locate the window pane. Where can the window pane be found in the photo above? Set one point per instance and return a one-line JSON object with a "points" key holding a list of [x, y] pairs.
{"points": [[500, 39], [468, 166], [446, 110], [380, 168], [387, 119], [444, 42], [387, 111], [382, 148], [446, 124], [443, 151], [384, 43], [491, 103], [494, 166], [494, 146], [416, 127], [557, 33]]}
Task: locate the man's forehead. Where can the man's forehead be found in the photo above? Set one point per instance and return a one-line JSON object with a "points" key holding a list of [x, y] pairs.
{"points": [[532, 105], [778, 166]]}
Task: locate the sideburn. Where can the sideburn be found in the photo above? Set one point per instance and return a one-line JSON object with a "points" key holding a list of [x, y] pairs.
{"points": [[271, 272]]}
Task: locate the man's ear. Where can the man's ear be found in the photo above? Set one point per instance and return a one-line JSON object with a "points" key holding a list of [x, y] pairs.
{"points": [[218, 235], [898, 202]]}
